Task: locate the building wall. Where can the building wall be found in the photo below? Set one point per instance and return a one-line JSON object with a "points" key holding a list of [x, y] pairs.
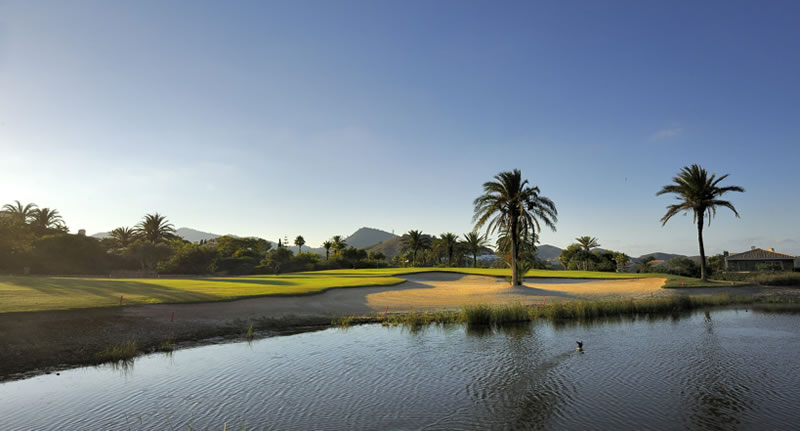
{"points": [[752, 265]]}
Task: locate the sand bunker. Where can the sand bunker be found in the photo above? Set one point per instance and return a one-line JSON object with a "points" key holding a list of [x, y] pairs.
{"points": [[449, 290]]}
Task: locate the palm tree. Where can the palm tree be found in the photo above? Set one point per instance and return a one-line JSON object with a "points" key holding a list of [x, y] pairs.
{"points": [[155, 228], [449, 241], [123, 236], [299, 242], [414, 241], [475, 243], [518, 210], [338, 244], [18, 212], [45, 218], [327, 246], [621, 259], [587, 243], [700, 193]]}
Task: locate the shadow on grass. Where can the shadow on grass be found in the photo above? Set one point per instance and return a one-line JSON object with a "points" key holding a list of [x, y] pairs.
{"points": [[105, 289]]}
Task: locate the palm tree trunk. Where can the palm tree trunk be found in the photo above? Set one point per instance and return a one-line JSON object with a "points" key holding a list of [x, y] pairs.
{"points": [[702, 248], [327, 254], [514, 239], [474, 260]]}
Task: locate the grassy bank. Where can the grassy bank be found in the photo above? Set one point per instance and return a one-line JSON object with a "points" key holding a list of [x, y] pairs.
{"points": [[35, 293], [565, 310]]}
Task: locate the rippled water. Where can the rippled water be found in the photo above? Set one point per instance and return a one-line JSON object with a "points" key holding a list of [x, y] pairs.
{"points": [[724, 370]]}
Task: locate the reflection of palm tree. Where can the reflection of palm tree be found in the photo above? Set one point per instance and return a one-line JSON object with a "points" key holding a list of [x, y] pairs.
{"points": [[414, 241], [512, 206], [155, 228], [18, 212], [45, 218], [699, 193], [475, 243]]}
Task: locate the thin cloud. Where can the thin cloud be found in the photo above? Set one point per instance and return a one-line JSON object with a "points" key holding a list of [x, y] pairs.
{"points": [[667, 133]]}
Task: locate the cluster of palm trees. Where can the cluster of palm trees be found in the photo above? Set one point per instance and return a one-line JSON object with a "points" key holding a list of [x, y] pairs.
{"points": [[510, 207], [336, 243], [154, 228], [41, 219], [516, 210], [447, 244]]}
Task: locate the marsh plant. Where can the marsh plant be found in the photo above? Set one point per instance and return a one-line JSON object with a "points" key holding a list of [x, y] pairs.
{"points": [[121, 352]]}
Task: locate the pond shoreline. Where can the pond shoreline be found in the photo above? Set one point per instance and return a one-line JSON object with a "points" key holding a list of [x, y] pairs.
{"points": [[49, 341]]}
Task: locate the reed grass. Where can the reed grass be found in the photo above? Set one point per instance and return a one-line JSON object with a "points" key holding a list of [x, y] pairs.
{"points": [[343, 321], [500, 315], [167, 345], [777, 279], [121, 352]]}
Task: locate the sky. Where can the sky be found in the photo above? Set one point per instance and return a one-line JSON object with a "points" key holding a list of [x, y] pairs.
{"points": [[316, 118]]}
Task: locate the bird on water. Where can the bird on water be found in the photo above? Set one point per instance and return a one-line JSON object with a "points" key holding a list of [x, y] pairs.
{"points": [[580, 346]]}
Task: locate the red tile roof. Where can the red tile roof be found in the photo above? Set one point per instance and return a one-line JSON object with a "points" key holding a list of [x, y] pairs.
{"points": [[760, 254]]}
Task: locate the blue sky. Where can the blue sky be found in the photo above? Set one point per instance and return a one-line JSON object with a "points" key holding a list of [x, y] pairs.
{"points": [[317, 118]]}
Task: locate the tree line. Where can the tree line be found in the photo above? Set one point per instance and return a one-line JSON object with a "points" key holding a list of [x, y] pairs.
{"points": [[36, 240]]}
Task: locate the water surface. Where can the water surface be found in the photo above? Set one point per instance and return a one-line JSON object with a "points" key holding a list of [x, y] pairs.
{"points": [[725, 369]]}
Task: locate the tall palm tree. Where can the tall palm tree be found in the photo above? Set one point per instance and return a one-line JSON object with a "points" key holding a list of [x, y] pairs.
{"points": [[45, 218], [123, 236], [414, 241], [338, 244], [700, 193], [327, 246], [299, 242], [155, 228], [515, 208], [587, 243], [450, 241], [18, 212], [475, 243]]}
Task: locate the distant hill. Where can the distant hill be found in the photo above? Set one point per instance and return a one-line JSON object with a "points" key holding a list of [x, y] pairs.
{"points": [[189, 234], [390, 248], [367, 237], [548, 252], [194, 235]]}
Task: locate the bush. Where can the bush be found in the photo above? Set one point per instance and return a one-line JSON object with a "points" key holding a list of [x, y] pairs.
{"points": [[190, 259], [682, 266], [69, 254]]}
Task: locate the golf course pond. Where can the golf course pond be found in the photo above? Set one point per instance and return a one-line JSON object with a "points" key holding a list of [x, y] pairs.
{"points": [[718, 369]]}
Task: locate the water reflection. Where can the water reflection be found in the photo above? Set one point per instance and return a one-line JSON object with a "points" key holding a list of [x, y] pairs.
{"points": [[718, 392], [704, 370]]}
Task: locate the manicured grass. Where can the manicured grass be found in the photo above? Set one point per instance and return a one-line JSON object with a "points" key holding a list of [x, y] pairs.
{"points": [[58, 293], [34, 293]]}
